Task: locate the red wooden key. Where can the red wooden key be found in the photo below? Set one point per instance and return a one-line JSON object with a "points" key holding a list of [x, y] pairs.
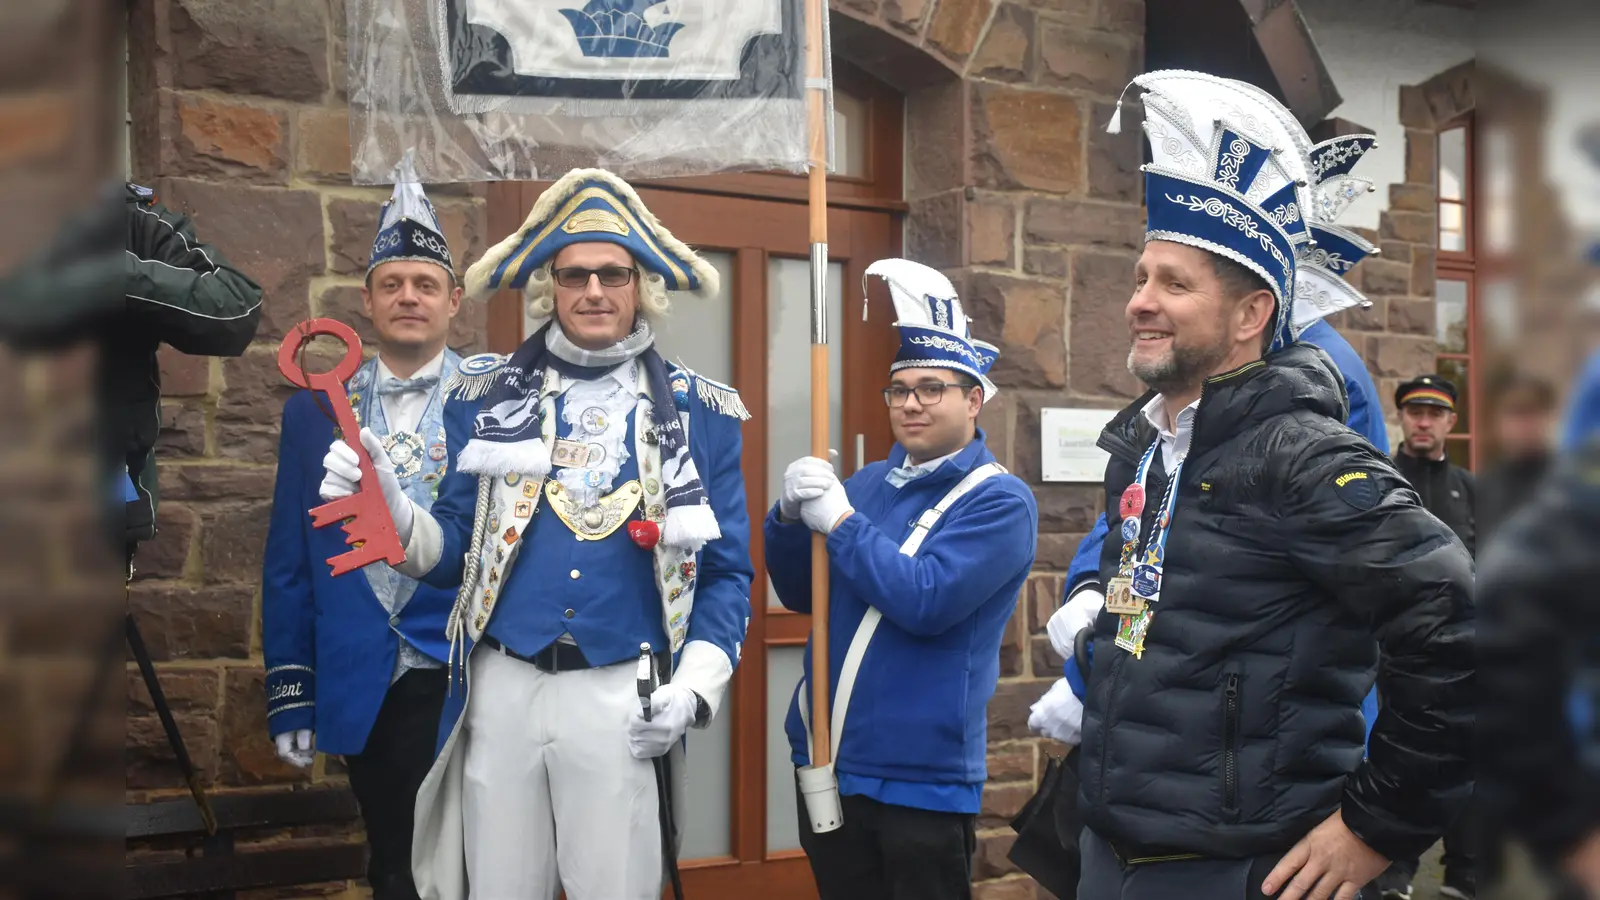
{"points": [[368, 527]]}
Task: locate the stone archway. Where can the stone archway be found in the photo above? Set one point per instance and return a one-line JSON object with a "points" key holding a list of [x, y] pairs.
{"points": [[1396, 334]]}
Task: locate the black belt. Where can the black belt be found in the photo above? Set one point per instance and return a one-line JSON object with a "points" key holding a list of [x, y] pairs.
{"points": [[558, 657]]}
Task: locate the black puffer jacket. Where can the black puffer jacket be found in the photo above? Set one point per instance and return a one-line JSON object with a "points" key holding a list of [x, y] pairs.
{"points": [[1539, 735], [1446, 490], [1294, 544]]}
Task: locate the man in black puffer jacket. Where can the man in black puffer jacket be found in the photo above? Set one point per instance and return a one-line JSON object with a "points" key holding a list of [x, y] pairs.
{"points": [[1222, 753]]}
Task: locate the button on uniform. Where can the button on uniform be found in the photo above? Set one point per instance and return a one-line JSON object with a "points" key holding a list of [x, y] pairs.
{"points": [[394, 621], [569, 613], [575, 575]]}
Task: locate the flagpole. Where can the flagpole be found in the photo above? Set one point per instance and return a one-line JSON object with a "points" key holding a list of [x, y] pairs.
{"points": [[817, 110]]}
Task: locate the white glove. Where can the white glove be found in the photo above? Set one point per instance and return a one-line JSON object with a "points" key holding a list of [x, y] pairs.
{"points": [[1058, 714], [297, 748], [343, 478], [1074, 616], [672, 709], [825, 510], [805, 479]]}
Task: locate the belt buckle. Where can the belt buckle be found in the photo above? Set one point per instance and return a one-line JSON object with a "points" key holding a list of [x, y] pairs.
{"points": [[547, 660]]}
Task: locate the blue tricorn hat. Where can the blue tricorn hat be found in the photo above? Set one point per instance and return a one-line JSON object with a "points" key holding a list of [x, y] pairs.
{"points": [[408, 227], [590, 205], [935, 332]]}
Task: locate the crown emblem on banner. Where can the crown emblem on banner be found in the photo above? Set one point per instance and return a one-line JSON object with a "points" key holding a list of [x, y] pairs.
{"points": [[617, 29]]}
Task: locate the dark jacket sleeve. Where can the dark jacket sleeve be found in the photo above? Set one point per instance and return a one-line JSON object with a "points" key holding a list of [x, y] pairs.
{"points": [[1355, 527], [1539, 656], [184, 292]]}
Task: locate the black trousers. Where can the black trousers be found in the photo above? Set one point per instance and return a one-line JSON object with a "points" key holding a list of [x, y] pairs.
{"points": [[886, 852], [386, 775]]}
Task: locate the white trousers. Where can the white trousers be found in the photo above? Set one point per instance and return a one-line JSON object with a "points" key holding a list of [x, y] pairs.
{"points": [[552, 799]]}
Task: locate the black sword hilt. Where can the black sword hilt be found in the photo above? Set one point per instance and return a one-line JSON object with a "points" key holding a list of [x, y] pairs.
{"points": [[645, 678]]}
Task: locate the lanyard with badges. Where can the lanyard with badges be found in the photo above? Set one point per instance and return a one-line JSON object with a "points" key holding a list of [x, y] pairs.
{"points": [[1134, 592]]}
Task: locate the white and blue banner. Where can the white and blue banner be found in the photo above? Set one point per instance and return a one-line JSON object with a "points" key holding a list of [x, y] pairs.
{"points": [[678, 48], [527, 89]]}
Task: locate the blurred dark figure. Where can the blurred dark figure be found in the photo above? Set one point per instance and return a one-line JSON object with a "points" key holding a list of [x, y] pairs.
{"points": [[130, 275], [1524, 433], [1539, 661]]}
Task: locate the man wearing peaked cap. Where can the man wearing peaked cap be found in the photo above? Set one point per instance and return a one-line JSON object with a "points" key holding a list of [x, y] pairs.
{"points": [[1261, 554], [355, 665], [593, 503], [928, 550], [1427, 406]]}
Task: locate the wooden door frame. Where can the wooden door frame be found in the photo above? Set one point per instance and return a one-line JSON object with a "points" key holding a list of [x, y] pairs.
{"points": [[1462, 266]]}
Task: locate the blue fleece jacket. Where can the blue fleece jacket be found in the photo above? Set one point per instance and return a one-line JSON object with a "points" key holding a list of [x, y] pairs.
{"points": [[917, 730]]}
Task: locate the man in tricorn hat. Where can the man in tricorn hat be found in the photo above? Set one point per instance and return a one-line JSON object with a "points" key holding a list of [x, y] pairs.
{"points": [[594, 503]]}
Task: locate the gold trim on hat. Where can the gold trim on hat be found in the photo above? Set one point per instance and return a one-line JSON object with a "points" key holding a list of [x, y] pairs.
{"points": [[589, 221], [596, 193], [598, 522]]}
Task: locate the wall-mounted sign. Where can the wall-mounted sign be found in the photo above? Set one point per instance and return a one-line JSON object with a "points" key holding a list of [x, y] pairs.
{"points": [[1067, 439]]}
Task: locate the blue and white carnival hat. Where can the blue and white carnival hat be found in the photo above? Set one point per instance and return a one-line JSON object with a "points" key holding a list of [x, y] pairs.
{"points": [[408, 227], [1229, 175], [590, 205], [1320, 289], [934, 330]]}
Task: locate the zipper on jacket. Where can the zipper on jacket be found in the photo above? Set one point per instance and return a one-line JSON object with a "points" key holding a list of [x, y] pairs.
{"points": [[1111, 707], [1230, 742]]}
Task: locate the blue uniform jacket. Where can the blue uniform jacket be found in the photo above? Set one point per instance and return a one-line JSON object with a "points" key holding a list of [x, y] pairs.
{"points": [[918, 711], [330, 645], [721, 610]]}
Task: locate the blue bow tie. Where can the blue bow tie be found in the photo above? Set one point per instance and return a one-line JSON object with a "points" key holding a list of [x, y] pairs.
{"points": [[392, 385]]}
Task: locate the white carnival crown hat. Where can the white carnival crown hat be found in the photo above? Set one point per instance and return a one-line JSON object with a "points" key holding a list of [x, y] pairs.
{"points": [[1229, 175], [935, 331]]}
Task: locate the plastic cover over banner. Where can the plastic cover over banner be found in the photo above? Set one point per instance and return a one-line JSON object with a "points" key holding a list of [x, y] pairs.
{"points": [[488, 90]]}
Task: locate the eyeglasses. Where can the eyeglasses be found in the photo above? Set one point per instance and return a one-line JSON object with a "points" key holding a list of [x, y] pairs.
{"points": [[578, 276], [928, 393]]}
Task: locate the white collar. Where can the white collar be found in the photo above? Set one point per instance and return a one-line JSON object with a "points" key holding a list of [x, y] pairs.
{"points": [[1175, 437], [931, 464], [433, 366]]}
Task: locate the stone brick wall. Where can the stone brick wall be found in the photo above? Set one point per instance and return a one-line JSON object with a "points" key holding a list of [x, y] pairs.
{"points": [[239, 120], [1014, 190], [1396, 335]]}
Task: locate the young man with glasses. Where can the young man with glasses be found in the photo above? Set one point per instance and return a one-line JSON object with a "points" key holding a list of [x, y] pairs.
{"points": [[928, 551], [595, 504]]}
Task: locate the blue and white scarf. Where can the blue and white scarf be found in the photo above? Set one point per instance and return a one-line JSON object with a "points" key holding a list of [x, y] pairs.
{"points": [[507, 431]]}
